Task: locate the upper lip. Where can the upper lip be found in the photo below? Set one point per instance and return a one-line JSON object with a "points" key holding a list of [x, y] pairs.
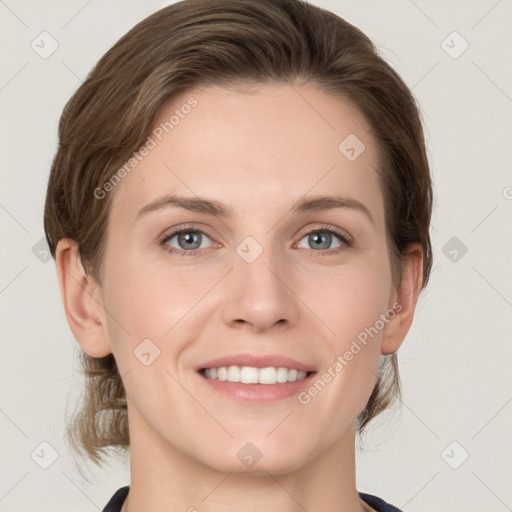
{"points": [[257, 361]]}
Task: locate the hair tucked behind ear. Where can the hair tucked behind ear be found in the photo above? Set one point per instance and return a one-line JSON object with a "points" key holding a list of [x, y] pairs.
{"points": [[224, 42]]}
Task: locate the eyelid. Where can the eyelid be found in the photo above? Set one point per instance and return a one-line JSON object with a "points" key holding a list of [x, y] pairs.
{"points": [[345, 238], [172, 232]]}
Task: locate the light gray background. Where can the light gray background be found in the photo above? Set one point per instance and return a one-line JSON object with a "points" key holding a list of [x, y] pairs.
{"points": [[455, 362]]}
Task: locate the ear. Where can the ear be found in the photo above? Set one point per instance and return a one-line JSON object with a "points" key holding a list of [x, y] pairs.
{"points": [[82, 299], [404, 299]]}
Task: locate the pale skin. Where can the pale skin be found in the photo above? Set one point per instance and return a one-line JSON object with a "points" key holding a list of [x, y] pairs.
{"points": [[257, 153]]}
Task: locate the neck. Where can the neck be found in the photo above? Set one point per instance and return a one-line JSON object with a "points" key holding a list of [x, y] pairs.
{"points": [[164, 478]]}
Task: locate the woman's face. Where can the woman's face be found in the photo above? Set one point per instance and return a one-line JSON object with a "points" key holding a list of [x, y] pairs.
{"points": [[299, 286]]}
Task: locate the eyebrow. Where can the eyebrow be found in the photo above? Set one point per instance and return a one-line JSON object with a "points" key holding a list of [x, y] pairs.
{"points": [[217, 209]]}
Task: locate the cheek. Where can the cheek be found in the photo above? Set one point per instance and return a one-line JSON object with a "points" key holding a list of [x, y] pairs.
{"points": [[352, 306], [155, 303], [351, 302]]}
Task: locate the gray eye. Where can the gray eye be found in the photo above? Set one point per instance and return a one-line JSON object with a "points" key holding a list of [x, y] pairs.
{"points": [[188, 240], [321, 240]]}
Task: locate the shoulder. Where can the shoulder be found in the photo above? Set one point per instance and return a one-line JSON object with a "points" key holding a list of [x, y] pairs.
{"points": [[378, 503], [117, 500]]}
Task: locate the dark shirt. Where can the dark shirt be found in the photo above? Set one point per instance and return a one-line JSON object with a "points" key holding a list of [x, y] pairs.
{"points": [[116, 502]]}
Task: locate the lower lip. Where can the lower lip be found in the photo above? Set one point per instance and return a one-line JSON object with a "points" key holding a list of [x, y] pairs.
{"points": [[259, 393]]}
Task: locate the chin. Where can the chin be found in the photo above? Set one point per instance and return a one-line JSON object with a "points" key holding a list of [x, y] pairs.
{"points": [[258, 458]]}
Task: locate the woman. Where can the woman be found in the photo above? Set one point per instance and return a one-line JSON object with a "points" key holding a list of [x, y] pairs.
{"points": [[239, 210]]}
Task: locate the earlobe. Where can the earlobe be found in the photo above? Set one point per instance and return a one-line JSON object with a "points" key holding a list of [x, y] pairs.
{"points": [[406, 296], [82, 301]]}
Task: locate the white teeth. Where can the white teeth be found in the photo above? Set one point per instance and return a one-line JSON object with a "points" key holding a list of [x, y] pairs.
{"points": [[268, 375], [233, 374], [222, 373], [249, 375], [282, 375], [252, 375]]}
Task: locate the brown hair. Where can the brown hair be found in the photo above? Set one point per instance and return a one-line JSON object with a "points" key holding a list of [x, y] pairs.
{"points": [[191, 44]]}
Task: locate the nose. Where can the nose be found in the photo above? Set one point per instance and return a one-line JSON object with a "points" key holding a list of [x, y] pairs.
{"points": [[259, 295]]}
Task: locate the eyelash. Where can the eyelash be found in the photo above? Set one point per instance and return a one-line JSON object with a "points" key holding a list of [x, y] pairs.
{"points": [[347, 241]]}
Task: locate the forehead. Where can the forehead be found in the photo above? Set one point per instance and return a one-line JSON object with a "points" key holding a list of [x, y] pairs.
{"points": [[261, 147]]}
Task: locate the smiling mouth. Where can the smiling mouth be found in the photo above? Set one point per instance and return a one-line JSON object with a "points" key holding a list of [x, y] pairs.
{"points": [[253, 375]]}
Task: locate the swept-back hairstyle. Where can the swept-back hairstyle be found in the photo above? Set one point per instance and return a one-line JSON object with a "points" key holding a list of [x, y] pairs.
{"points": [[232, 43]]}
